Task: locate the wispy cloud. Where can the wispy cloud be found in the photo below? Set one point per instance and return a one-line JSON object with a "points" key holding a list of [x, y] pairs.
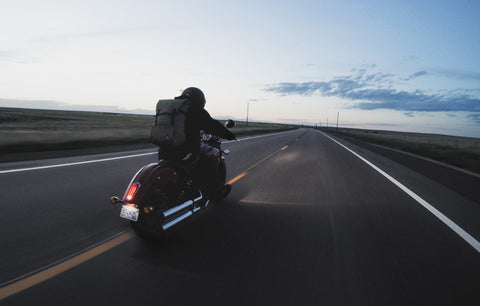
{"points": [[447, 73], [48, 104], [6, 54], [475, 118], [416, 75], [105, 32], [375, 91]]}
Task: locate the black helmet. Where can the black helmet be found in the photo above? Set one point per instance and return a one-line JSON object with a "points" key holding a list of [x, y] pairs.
{"points": [[195, 95]]}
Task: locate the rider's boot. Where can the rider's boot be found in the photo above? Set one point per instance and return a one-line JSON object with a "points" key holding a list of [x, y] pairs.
{"points": [[226, 190], [223, 192]]}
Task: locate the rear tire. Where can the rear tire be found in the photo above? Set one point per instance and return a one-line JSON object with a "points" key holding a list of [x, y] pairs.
{"points": [[140, 232], [222, 173], [147, 227], [222, 189]]}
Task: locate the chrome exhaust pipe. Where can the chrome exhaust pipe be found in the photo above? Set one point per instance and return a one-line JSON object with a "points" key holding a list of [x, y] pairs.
{"points": [[176, 209], [187, 205], [199, 198], [173, 210], [177, 220]]}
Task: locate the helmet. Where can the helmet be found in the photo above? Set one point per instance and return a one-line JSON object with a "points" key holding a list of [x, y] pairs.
{"points": [[195, 95]]}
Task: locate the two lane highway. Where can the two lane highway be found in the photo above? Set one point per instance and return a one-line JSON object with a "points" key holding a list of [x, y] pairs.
{"points": [[307, 223]]}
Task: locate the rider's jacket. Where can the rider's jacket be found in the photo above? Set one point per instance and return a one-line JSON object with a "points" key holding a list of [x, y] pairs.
{"points": [[197, 119]]}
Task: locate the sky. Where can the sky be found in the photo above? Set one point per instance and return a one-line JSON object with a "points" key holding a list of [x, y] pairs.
{"points": [[390, 65]]}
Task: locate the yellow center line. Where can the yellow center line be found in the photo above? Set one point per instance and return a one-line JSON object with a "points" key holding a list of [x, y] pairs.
{"points": [[46, 274], [237, 178], [62, 267]]}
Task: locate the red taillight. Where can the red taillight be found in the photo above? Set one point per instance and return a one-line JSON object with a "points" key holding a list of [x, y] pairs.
{"points": [[131, 191]]}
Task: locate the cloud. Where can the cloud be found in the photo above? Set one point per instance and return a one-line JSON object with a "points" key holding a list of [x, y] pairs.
{"points": [[416, 101], [5, 54], [48, 104], [447, 73], [475, 118], [411, 58], [375, 91], [416, 75]]}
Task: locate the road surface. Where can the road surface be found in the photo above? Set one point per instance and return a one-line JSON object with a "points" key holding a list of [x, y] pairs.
{"points": [[311, 220]]}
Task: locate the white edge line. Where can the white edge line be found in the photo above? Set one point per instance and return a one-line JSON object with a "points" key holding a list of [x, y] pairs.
{"points": [[112, 158], [429, 160], [457, 229], [76, 163]]}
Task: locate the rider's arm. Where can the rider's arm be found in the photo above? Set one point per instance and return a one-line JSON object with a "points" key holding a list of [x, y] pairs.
{"points": [[215, 127]]}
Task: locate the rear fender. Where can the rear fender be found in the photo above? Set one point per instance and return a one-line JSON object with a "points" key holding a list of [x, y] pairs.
{"points": [[151, 177]]}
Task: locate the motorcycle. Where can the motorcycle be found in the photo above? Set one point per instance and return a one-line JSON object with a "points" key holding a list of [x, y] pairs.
{"points": [[164, 194]]}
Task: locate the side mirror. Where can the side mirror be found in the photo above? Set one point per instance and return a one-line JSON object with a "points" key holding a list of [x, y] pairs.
{"points": [[230, 123]]}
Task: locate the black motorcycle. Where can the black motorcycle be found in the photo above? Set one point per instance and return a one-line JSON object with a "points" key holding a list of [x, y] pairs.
{"points": [[163, 194]]}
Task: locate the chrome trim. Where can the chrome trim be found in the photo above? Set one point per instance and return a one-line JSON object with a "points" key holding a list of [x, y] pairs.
{"points": [[133, 181], [177, 220], [199, 198], [175, 209]]}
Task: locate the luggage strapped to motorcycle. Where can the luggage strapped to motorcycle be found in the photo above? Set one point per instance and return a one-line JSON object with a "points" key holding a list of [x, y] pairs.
{"points": [[169, 126]]}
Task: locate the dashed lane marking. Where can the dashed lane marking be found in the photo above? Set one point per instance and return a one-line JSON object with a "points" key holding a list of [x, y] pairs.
{"points": [[35, 278]]}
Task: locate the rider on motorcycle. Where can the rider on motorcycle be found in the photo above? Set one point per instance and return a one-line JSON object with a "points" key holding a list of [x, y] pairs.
{"points": [[197, 119]]}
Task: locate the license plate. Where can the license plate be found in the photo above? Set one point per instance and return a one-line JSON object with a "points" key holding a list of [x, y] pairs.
{"points": [[129, 213]]}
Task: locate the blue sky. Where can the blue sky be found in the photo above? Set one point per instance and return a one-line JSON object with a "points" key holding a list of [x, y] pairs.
{"points": [[393, 65]]}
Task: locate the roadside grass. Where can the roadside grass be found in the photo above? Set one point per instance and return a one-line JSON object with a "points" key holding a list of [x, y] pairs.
{"points": [[29, 130], [244, 128], [461, 152]]}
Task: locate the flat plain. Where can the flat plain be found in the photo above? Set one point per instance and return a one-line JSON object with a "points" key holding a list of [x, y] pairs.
{"points": [[31, 130]]}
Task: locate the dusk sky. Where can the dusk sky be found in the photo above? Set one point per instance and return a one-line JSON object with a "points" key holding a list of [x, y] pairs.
{"points": [[390, 65]]}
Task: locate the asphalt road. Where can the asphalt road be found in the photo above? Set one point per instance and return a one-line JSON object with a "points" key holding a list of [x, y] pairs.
{"points": [[308, 223]]}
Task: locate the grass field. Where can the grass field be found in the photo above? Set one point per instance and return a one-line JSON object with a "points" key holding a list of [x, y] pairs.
{"points": [[462, 152], [28, 130]]}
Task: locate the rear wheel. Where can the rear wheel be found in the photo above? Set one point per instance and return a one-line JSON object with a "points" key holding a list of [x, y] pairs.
{"points": [[147, 228], [222, 189], [222, 173], [150, 225], [139, 230]]}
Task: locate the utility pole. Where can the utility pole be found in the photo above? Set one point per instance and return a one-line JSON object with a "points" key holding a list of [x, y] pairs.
{"points": [[248, 106], [338, 114]]}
